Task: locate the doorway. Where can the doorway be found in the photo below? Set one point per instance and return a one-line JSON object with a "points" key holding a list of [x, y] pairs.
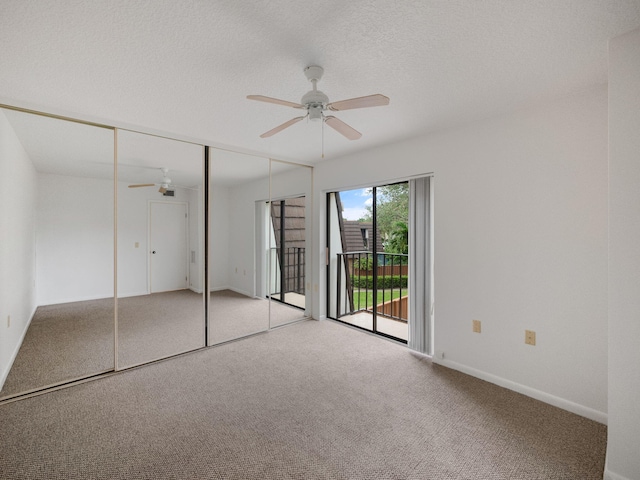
{"points": [[168, 262]]}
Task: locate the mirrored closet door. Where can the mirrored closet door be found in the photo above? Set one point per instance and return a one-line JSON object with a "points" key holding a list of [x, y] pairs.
{"points": [[238, 245], [56, 259], [87, 207], [160, 248], [289, 233]]}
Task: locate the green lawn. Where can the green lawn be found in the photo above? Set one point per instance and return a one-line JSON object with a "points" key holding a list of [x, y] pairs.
{"points": [[361, 296]]}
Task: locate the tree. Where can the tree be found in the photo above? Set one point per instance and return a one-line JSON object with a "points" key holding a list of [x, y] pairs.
{"points": [[392, 207], [398, 240]]}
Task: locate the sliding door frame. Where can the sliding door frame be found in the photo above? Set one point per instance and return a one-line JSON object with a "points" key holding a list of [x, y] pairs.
{"points": [[425, 329]]}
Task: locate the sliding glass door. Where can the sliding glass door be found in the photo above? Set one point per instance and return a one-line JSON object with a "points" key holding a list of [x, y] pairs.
{"points": [[368, 267]]}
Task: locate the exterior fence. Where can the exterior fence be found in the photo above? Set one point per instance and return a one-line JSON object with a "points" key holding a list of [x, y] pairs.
{"points": [[356, 284]]}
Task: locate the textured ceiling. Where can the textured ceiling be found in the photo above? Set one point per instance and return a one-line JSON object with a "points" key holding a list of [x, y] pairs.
{"points": [[185, 67]]}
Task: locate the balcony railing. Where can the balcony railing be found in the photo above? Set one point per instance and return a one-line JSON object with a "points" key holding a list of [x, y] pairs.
{"points": [[358, 280], [289, 270]]}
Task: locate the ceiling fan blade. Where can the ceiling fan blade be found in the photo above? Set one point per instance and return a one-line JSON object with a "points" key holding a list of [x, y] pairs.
{"points": [[279, 128], [342, 128], [376, 100], [142, 185], [194, 187], [162, 189], [262, 98]]}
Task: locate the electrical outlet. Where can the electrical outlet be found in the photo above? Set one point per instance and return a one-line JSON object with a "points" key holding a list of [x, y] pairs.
{"points": [[477, 326], [529, 337]]}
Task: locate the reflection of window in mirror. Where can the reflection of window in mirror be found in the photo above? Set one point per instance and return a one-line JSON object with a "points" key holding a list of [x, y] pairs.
{"points": [[290, 194], [238, 245]]}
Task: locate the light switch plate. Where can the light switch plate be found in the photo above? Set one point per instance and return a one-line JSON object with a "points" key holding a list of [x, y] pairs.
{"points": [[529, 337], [477, 326]]}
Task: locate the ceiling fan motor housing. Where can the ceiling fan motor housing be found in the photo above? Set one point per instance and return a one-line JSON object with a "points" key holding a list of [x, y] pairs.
{"points": [[316, 102]]}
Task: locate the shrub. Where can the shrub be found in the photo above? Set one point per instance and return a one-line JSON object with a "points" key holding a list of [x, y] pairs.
{"points": [[390, 281], [363, 263]]}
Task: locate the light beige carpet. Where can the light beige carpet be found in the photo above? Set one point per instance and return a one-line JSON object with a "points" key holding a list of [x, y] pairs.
{"points": [[315, 400], [233, 315], [63, 342]]}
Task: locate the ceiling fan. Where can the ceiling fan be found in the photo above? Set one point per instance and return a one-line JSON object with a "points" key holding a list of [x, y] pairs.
{"points": [[316, 103], [164, 184]]}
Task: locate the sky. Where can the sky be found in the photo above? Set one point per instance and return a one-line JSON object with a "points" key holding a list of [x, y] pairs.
{"points": [[353, 203]]}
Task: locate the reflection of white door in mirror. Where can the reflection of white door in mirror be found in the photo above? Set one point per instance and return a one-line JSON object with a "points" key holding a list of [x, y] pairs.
{"points": [[168, 241]]}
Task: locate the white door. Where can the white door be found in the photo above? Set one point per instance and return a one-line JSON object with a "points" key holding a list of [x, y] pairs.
{"points": [[168, 241]]}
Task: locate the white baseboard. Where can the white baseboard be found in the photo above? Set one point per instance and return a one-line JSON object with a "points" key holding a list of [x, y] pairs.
{"points": [[219, 289], [568, 405], [75, 299], [233, 289], [241, 292], [609, 475], [133, 294], [14, 354]]}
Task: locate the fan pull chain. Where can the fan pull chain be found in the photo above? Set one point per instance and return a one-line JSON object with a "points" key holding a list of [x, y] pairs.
{"points": [[322, 136]]}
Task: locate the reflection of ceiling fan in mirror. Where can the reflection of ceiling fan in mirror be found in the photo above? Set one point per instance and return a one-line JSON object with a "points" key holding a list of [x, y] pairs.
{"points": [[164, 184], [316, 103]]}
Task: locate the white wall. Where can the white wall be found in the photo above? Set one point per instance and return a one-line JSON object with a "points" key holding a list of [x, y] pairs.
{"points": [[18, 180], [75, 239], [520, 243], [623, 461]]}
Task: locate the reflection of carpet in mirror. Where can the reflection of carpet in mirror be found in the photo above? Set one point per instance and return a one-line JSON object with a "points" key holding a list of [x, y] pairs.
{"points": [[74, 340], [63, 342], [233, 315], [159, 325]]}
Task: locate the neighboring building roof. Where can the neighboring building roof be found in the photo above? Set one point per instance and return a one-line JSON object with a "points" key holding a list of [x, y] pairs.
{"points": [[357, 237], [294, 231]]}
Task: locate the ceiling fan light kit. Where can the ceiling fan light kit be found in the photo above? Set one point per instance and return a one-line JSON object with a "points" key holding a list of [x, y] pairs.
{"points": [[316, 103]]}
